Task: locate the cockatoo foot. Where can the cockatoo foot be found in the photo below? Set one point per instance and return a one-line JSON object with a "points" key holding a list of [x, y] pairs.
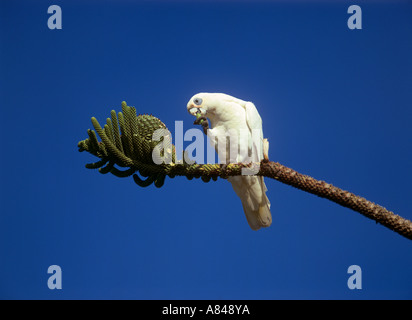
{"points": [[202, 120]]}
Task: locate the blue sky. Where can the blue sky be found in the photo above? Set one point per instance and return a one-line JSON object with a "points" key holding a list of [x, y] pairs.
{"points": [[335, 103]]}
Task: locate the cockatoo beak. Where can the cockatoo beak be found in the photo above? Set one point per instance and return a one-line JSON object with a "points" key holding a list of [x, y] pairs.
{"points": [[193, 110]]}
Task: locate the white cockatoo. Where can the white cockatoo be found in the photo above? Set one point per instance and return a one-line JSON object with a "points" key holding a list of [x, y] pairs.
{"points": [[238, 119]]}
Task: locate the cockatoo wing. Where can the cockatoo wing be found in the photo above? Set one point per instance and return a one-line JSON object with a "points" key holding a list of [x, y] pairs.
{"points": [[254, 123], [252, 189]]}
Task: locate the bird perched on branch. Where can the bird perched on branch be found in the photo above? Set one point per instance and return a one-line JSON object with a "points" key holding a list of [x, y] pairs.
{"points": [[236, 133]]}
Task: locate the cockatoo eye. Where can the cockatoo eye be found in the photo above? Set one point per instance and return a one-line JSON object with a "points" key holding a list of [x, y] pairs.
{"points": [[197, 101]]}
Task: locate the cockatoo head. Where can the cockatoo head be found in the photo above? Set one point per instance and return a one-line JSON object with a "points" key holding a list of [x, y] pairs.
{"points": [[209, 103], [199, 103]]}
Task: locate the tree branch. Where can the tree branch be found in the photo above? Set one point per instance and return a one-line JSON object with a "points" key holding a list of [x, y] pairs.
{"points": [[133, 149]]}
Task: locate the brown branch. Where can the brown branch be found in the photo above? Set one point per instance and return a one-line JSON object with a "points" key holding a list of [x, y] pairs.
{"points": [[344, 198]]}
